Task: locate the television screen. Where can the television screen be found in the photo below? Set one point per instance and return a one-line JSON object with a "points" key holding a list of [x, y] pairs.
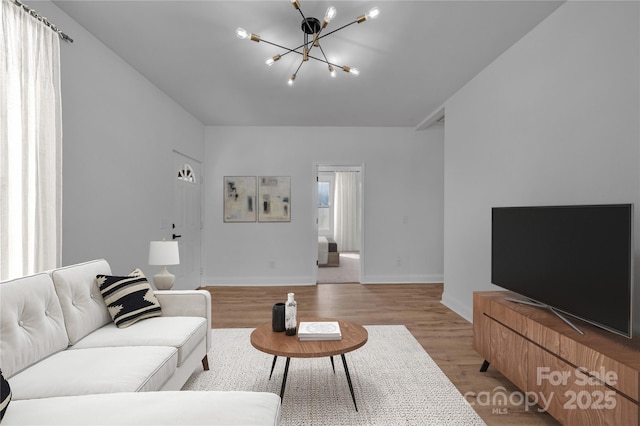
{"points": [[577, 259]]}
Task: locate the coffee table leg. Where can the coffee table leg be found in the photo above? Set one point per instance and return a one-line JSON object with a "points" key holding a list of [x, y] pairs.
{"points": [[284, 379], [346, 370], [273, 364], [333, 366]]}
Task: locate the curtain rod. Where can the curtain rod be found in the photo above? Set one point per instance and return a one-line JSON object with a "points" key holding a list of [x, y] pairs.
{"points": [[44, 20]]}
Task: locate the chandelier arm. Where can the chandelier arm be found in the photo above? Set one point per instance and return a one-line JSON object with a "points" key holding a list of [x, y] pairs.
{"points": [[325, 61], [294, 50], [304, 18], [311, 48], [299, 66], [325, 56], [317, 39], [337, 29], [282, 47], [302, 45]]}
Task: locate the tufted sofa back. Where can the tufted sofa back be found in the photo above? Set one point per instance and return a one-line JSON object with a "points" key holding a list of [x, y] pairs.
{"points": [[82, 304], [31, 322]]}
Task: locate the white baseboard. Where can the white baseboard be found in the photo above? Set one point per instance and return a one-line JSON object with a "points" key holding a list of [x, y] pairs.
{"points": [[457, 306], [402, 279], [302, 281], [257, 281]]}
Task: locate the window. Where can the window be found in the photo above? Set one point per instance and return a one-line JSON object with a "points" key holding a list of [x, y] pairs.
{"points": [[185, 174], [325, 204]]}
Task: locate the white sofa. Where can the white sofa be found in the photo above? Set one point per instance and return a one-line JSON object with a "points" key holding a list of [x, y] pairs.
{"points": [[67, 362]]}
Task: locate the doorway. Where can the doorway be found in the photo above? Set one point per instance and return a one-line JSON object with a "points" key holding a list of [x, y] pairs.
{"points": [[339, 222], [187, 224]]}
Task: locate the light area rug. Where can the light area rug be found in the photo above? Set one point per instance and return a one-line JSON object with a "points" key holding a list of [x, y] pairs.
{"points": [[395, 382]]}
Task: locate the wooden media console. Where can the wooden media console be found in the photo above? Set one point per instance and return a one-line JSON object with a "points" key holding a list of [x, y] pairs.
{"points": [[591, 379]]}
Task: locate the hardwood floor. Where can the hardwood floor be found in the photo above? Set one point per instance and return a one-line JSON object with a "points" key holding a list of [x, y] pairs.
{"points": [[446, 336]]}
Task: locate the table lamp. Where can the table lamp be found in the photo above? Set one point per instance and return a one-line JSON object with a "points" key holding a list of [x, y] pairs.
{"points": [[164, 253]]}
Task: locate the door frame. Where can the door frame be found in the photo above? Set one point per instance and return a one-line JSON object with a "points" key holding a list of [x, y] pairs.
{"points": [[314, 216]]}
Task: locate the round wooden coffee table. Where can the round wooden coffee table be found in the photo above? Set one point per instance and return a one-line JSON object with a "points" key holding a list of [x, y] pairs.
{"points": [[266, 340]]}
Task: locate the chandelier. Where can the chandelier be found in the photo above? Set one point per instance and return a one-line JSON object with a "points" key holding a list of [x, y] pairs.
{"points": [[312, 34]]}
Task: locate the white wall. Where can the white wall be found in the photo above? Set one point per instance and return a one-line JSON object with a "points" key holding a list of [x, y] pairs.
{"points": [[119, 133], [403, 178], [554, 120]]}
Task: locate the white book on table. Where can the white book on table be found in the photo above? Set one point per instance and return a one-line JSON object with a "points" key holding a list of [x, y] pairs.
{"points": [[319, 330]]}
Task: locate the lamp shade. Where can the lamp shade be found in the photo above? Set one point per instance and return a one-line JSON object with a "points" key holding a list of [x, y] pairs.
{"points": [[164, 253]]}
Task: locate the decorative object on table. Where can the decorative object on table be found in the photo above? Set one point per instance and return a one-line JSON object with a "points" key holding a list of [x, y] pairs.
{"points": [[164, 253], [311, 27], [240, 199], [290, 315], [129, 298], [274, 198], [323, 330], [277, 320]]}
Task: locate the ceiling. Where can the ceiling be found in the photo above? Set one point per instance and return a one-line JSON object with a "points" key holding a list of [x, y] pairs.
{"points": [[412, 58]]}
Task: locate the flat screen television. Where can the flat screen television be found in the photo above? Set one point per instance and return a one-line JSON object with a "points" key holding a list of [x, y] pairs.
{"points": [[575, 260]]}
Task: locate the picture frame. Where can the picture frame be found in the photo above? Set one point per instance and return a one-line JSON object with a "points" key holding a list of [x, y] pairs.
{"points": [[239, 199], [274, 199]]}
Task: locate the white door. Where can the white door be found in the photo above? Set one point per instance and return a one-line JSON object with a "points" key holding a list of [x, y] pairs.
{"points": [[187, 225]]}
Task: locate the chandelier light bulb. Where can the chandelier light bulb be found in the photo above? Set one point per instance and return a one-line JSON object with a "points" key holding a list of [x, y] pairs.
{"points": [[328, 17], [291, 80], [354, 71], [271, 60], [242, 33], [373, 13], [332, 71], [295, 3]]}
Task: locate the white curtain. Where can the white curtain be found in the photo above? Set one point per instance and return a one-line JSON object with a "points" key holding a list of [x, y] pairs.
{"points": [[30, 144], [346, 226]]}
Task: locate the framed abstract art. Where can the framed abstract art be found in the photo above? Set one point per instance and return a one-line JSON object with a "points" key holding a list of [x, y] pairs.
{"points": [[240, 199], [274, 199]]}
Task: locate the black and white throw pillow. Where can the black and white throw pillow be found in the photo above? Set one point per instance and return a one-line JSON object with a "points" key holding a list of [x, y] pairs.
{"points": [[129, 299], [5, 395]]}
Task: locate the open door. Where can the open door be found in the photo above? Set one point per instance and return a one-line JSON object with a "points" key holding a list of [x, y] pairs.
{"points": [[339, 223]]}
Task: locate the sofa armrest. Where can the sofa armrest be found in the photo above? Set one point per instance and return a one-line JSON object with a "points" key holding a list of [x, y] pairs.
{"points": [[187, 303]]}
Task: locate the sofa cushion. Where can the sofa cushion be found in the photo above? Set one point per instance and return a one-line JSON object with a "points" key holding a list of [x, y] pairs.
{"points": [[150, 408], [183, 333], [129, 298], [82, 304], [96, 370], [31, 322], [5, 395]]}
